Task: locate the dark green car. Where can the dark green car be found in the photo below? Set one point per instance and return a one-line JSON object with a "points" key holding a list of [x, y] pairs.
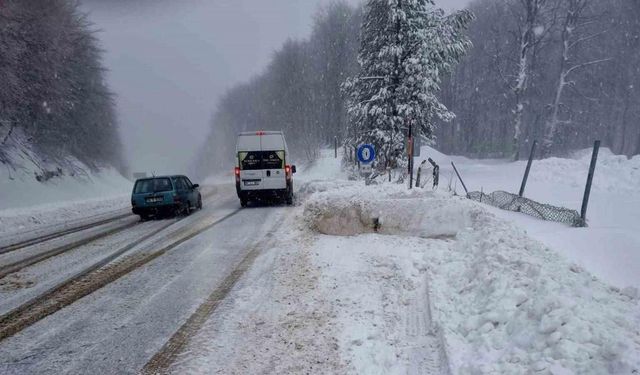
{"points": [[165, 195]]}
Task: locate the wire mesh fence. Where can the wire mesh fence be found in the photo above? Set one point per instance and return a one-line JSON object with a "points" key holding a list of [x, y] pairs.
{"points": [[514, 202]]}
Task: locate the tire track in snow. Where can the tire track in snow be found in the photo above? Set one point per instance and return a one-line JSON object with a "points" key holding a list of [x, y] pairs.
{"points": [[91, 279], [17, 266], [165, 357], [50, 236], [42, 256], [429, 355], [78, 228]]}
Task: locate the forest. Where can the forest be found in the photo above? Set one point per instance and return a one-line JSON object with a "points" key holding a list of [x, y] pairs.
{"points": [[54, 99], [563, 72]]}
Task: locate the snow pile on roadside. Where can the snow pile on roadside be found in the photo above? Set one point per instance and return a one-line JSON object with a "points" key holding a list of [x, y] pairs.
{"points": [[349, 215], [517, 306], [505, 303]]}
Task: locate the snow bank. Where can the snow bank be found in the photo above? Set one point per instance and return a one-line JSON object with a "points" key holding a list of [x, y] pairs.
{"points": [[20, 188], [37, 194], [350, 215], [505, 303], [516, 306]]}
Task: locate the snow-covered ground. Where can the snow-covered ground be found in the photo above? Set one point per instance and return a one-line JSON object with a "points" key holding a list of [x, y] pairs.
{"points": [[27, 204], [440, 284], [22, 191], [610, 246]]}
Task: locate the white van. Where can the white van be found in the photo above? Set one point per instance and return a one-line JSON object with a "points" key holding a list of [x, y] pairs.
{"points": [[262, 169]]}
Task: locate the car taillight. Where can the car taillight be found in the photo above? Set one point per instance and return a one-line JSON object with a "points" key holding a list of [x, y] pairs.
{"points": [[237, 173]]}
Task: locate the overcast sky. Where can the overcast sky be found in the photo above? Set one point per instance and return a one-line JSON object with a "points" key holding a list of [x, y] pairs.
{"points": [[169, 62]]}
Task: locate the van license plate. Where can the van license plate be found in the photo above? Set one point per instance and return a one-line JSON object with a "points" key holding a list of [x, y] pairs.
{"points": [[154, 200], [251, 182]]}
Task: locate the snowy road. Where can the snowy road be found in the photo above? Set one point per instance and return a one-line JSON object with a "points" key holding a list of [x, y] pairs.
{"points": [[117, 328]]}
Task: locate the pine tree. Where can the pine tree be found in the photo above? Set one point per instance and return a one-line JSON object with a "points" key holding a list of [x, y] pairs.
{"points": [[406, 45]]}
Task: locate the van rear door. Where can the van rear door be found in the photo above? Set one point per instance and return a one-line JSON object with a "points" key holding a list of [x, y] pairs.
{"points": [[273, 160], [251, 173], [273, 169], [250, 161]]}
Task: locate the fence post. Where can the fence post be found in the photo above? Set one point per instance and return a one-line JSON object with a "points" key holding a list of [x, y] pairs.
{"points": [[587, 189], [335, 146], [436, 172], [419, 173], [460, 178], [410, 158], [526, 171]]}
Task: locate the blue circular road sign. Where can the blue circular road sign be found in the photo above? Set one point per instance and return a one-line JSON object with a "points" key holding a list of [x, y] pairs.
{"points": [[366, 154]]}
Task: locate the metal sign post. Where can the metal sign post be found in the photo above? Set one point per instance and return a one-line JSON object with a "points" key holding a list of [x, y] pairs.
{"points": [[526, 171], [587, 189], [460, 178], [366, 155]]}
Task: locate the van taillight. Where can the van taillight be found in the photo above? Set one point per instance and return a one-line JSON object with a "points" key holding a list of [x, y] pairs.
{"points": [[237, 171], [287, 171]]}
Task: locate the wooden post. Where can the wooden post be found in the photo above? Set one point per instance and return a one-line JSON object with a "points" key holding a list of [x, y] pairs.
{"points": [[526, 171], [335, 146], [587, 189]]}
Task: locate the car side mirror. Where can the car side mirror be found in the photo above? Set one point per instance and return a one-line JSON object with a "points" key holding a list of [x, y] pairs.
{"points": [[195, 186], [293, 169]]}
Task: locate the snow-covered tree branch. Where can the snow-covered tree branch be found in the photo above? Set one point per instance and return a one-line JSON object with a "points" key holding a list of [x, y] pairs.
{"points": [[407, 45]]}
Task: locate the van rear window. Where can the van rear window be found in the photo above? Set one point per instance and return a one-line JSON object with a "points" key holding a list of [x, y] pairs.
{"points": [[272, 159], [252, 160]]}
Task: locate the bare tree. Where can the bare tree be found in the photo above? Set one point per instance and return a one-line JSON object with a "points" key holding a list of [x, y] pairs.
{"points": [[531, 32], [572, 37]]}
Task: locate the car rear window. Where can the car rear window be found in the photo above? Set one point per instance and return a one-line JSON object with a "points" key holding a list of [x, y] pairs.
{"points": [[252, 160], [152, 185]]}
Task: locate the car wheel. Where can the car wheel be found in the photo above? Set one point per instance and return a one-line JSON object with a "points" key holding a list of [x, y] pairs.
{"points": [[243, 202], [199, 202], [187, 209]]}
